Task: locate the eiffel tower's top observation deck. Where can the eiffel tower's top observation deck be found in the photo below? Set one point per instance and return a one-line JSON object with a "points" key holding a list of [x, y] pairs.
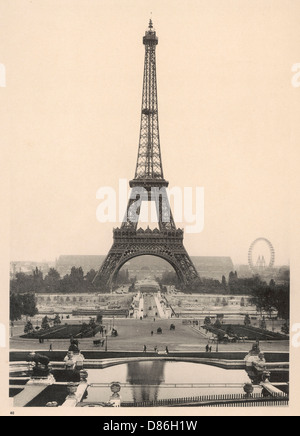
{"points": [[149, 171], [150, 37]]}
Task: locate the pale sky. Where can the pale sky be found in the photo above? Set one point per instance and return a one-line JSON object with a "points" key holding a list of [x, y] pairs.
{"points": [[227, 110]]}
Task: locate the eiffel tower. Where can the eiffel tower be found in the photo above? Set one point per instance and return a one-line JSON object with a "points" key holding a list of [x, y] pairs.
{"points": [[148, 185]]}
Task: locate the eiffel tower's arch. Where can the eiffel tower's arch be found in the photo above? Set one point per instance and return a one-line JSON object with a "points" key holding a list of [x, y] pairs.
{"points": [[148, 251]]}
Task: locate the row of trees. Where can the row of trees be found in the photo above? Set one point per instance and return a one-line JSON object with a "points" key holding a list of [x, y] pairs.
{"points": [[74, 282], [231, 286]]}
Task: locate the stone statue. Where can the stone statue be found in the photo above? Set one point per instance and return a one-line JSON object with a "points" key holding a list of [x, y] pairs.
{"points": [[41, 370]]}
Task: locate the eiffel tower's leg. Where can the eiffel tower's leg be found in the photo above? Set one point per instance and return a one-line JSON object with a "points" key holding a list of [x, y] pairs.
{"points": [[103, 276], [163, 209], [133, 211], [186, 265]]}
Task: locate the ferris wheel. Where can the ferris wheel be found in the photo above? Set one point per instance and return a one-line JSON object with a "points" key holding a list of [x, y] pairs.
{"points": [[252, 266]]}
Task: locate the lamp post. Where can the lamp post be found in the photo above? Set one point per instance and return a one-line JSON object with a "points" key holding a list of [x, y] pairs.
{"points": [[106, 344], [217, 350]]}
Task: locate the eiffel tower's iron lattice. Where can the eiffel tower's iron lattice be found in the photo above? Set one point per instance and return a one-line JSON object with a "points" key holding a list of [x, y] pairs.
{"points": [[148, 185]]}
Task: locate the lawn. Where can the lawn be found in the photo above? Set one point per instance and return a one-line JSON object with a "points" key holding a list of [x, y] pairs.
{"points": [[249, 332], [62, 332]]}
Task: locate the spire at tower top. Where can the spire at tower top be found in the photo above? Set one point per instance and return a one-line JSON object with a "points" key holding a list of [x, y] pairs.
{"points": [[150, 37]]}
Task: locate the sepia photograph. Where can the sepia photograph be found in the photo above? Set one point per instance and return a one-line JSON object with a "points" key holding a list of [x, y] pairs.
{"points": [[151, 150]]}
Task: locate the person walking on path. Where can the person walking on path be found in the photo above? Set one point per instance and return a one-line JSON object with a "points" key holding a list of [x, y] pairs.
{"points": [[207, 348], [145, 349], [51, 347], [167, 350], [152, 333]]}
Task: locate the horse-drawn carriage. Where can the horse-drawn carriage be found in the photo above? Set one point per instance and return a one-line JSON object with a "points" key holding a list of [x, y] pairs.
{"points": [[99, 343]]}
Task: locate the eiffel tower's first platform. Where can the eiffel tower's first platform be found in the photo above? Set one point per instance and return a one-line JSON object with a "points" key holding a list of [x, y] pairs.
{"points": [[149, 184]]}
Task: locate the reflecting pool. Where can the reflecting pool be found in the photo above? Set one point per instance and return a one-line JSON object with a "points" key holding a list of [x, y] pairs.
{"points": [[158, 380]]}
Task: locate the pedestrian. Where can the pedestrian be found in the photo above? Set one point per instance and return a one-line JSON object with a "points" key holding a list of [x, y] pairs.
{"points": [[210, 349], [51, 347], [145, 349], [207, 348], [155, 349], [167, 350], [152, 333]]}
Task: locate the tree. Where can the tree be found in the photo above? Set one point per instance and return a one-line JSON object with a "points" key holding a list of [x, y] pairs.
{"points": [[23, 283], [57, 320], [90, 276], [28, 328], [232, 277], [45, 323], [29, 305], [77, 278], [93, 326], [207, 321], [286, 328], [218, 301], [53, 274], [224, 282], [263, 324], [74, 282], [22, 305], [218, 324], [132, 287], [38, 281], [247, 320], [99, 318], [284, 275], [224, 302], [52, 281], [272, 283], [15, 307], [282, 301]]}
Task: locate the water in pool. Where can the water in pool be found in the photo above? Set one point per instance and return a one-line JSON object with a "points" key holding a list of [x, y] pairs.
{"points": [[147, 381]]}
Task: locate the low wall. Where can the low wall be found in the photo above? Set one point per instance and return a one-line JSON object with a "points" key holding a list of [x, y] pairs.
{"points": [[58, 356]]}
